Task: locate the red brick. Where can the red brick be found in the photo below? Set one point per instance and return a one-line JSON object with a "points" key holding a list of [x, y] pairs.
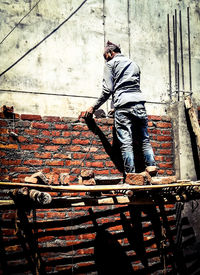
{"points": [[101, 172], [98, 164], [109, 164], [51, 148], [150, 123], [165, 165], [154, 131], [87, 236], [30, 147], [30, 117], [33, 162], [81, 155], [2, 154], [45, 239], [61, 170], [4, 139], [169, 172], [80, 127], [22, 139], [20, 169], [70, 134], [166, 151], [166, 132], [40, 125], [87, 134], [150, 117], [73, 148], [159, 158], [62, 156], [43, 155], [41, 140], [92, 149], [114, 171], [81, 141], [10, 162], [155, 144], [56, 214], [164, 138], [3, 123], [3, 131], [55, 163], [9, 146], [104, 156], [33, 132], [72, 163], [51, 118], [161, 172], [164, 125], [61, 126], [61, 141], [167, 145]]}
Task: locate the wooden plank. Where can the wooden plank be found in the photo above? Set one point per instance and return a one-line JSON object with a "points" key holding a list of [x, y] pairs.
{"points": [[193, 119], [96, 188]]}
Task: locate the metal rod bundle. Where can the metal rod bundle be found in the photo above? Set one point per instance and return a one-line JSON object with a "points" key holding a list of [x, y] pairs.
{"points": [[179, 76]]}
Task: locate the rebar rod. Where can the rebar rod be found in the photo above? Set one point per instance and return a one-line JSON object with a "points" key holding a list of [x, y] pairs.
{"points": [[189, 50], [181, 46], [169, 58]]}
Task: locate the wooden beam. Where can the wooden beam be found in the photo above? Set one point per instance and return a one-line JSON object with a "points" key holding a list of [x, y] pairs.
{"points": [[193, 119], [96, 188]]}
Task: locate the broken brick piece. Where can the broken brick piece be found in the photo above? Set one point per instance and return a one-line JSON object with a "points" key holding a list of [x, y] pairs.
{"points": [[135, 179], [163, 180], [87, 174], [64, 178], [152, 170], [89, 182], [147, 177], [31, 180], [37, 177]]}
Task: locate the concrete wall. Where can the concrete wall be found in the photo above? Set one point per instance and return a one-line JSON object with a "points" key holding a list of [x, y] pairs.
{"points": [[70, 61]]}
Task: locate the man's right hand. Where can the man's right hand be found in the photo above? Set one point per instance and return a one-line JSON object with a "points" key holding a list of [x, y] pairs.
{"points": [[89, 112]]}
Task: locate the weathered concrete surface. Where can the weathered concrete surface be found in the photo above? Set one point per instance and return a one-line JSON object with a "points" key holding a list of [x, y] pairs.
{"points": [[70, 61], [184, 160]]}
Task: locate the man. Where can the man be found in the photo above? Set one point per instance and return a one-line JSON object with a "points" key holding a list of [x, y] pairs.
{"points": [[122, 81]]}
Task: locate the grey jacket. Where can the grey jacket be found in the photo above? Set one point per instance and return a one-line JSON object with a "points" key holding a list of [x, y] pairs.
{"points": [[122, 81]]}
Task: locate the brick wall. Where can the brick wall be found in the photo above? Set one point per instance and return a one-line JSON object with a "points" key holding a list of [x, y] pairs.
{"points": [[82, 240], [65, 145]]}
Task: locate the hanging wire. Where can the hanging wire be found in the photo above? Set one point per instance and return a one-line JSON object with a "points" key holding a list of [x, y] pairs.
{"points": [[19, 22], [34, 47]]}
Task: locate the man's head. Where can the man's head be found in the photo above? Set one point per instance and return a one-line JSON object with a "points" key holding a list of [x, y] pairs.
{"points": [[111, 50]]}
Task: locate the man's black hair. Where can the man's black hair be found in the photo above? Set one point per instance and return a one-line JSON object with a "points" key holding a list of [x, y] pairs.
{"points": [[111, 47]]}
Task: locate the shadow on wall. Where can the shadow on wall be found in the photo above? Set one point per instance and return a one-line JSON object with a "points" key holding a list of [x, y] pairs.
{"points": [[113, 150], [123, 240]]}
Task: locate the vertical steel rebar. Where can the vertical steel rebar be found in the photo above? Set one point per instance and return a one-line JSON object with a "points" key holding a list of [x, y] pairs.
{"points": [[189, 51], [181, 46], [175, 52], [176, 69], [178, 82], [169, 58]]}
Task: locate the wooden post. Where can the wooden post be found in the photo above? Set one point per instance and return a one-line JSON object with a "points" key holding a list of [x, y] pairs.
{"points": [[194, 121]]}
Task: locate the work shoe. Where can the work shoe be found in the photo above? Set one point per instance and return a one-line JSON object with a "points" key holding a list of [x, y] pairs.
{"points": [[152, 170]]}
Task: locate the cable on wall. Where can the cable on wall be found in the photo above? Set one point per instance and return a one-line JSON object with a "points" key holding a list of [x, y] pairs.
{"points": [[19, 22], [33, 48]]}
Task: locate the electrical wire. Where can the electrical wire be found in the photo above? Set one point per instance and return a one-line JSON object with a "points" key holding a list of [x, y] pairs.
{"points": [[19, 22], [34, 47], [68, 95]]}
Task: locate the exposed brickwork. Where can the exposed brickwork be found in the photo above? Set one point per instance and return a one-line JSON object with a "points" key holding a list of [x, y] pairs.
{"points": [[69, 237]]}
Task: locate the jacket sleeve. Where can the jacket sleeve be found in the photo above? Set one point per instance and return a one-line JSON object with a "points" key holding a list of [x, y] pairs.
{"points": [[107, 86]]}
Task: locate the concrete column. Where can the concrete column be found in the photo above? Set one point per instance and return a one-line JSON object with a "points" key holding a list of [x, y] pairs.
{"points": [[184, 161]]}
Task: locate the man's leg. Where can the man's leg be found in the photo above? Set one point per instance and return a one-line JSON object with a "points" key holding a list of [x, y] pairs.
{"points": [[123, 127]]}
